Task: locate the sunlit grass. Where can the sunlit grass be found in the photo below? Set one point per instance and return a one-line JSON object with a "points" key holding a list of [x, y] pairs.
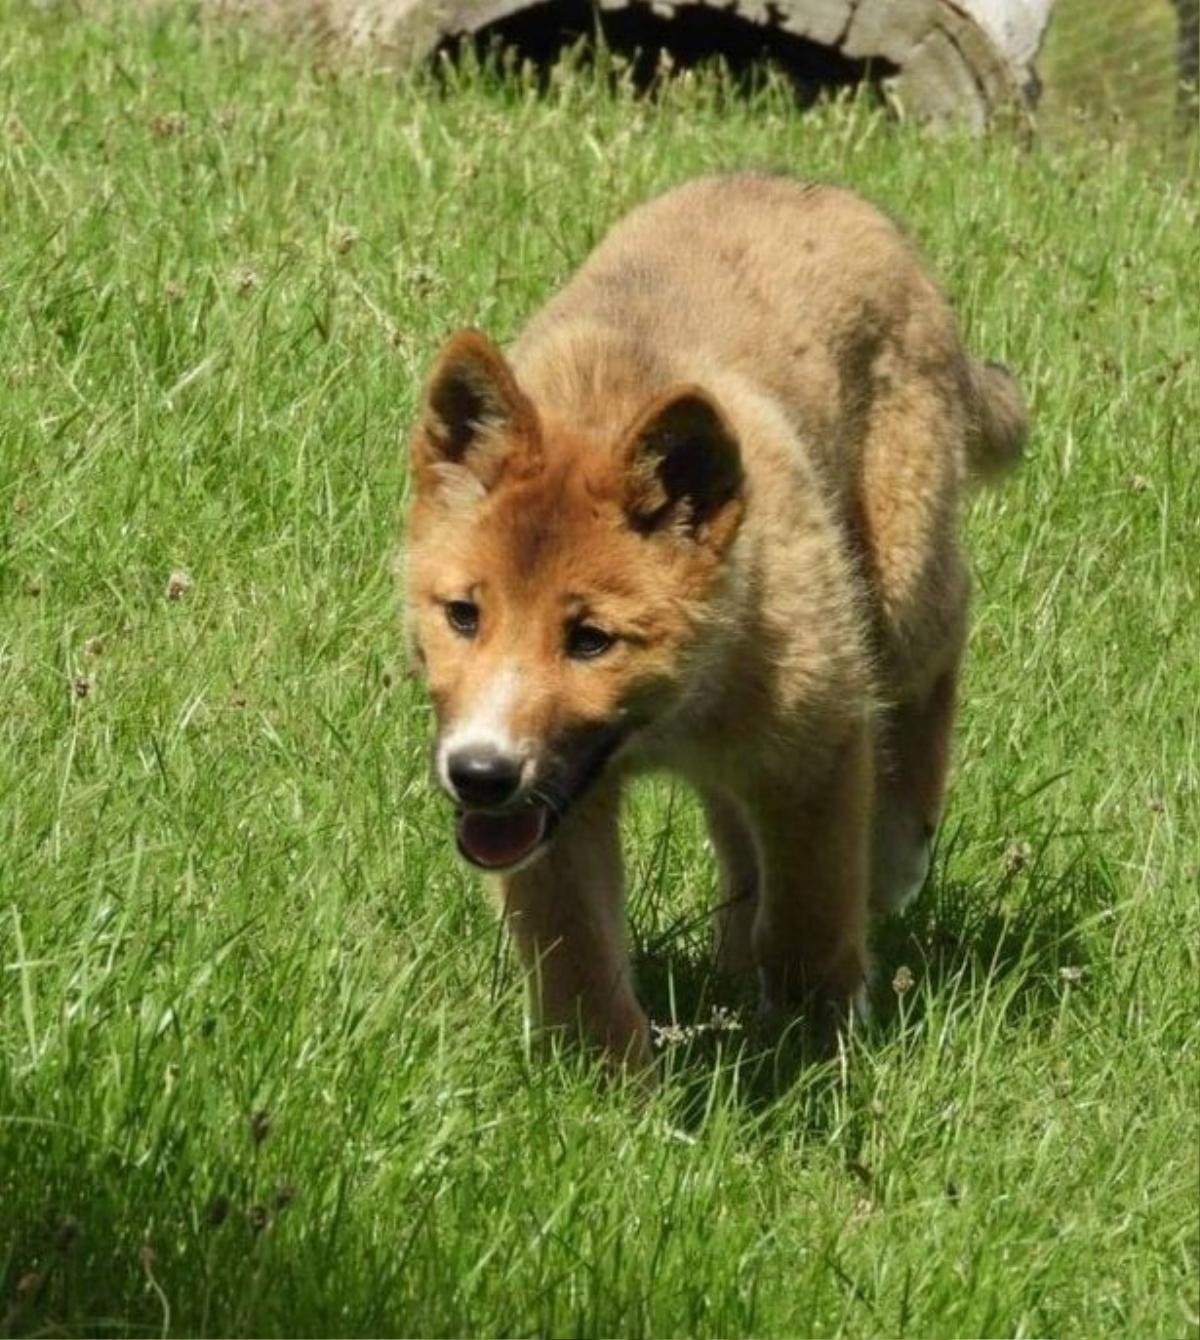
{"points": [[1109, 66], [261, 1061]]}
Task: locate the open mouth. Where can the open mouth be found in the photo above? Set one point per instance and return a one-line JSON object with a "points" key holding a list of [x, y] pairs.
{"points": [[499, 839], [502, 838]]}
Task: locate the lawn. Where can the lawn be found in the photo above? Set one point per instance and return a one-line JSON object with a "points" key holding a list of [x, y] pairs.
{"points": [[261, 1060]]}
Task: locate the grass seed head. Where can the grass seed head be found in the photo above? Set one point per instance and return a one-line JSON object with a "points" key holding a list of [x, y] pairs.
{"points": [[178, 584], [168, 125], [1017, 856], [30, 1284], [68, 1233]]}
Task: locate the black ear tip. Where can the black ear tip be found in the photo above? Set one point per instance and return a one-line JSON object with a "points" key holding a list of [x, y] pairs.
{"points": [[690, 414], [694, 426], [687, 445], [457, 405], [470, 390], [703, 467], [474, 413]]}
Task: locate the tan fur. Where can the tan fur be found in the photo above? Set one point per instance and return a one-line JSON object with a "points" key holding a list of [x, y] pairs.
{"points": [[739, 438]]}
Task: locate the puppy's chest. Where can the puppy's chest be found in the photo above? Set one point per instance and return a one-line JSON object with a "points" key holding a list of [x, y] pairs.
{"points": [[690, 742]]}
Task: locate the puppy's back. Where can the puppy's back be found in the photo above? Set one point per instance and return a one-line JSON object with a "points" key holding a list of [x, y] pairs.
{"points": [[806, 291]]}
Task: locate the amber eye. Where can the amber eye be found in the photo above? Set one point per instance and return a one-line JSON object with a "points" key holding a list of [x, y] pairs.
{"points": [[585, 642], [463, 617]]}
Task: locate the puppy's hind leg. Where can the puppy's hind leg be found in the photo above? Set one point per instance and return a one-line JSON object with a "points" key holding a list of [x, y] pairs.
{"points": [[907, 519], [810, 932], [733, 844], [912, 763]]}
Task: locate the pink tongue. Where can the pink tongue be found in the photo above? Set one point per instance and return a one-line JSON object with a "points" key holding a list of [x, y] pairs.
{"points": [[499, 840]]}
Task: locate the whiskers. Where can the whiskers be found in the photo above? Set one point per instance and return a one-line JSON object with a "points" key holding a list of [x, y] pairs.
{"points": [[546, 794]]}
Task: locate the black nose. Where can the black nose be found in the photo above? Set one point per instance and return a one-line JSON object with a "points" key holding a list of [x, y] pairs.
{"points": [[483, 776]]}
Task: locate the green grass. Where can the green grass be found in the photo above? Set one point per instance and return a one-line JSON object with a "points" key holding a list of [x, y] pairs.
{"points": [[261, 1062], [1109, 64]]}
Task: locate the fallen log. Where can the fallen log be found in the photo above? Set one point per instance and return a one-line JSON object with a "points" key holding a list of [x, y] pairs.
{"points": [[937, 60]]}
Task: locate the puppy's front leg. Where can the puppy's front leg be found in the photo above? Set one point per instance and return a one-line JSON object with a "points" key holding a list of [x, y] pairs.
{"points": [[566, 913], [813, 835]]}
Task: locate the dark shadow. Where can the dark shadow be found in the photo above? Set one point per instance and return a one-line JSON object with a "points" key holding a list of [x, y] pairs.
{"points": [[965, 936], [693, 36], [708, 1031], [1022, 932]]}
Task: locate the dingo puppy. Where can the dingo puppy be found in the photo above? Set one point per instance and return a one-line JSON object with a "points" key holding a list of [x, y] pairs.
{"points": [[703, 516]]}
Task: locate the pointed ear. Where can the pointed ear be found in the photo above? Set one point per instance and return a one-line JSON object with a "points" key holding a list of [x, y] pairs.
{"points": [[683, 469], [475, 417]]}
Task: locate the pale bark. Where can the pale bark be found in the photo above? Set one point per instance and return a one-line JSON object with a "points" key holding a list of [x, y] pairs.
{"points": [[953, 59]]}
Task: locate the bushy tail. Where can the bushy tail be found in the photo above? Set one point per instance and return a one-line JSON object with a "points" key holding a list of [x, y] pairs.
{"points": [[999, 422]]}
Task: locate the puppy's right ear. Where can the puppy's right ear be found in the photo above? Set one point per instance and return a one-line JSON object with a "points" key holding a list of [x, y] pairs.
{"points": [[476, 421]]}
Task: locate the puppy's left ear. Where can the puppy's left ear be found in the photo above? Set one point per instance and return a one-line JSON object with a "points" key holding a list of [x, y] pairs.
{"points": [[683, 469], [476, 420]]}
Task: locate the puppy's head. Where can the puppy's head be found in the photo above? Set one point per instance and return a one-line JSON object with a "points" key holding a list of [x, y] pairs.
{"points": [[559, 586]]}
